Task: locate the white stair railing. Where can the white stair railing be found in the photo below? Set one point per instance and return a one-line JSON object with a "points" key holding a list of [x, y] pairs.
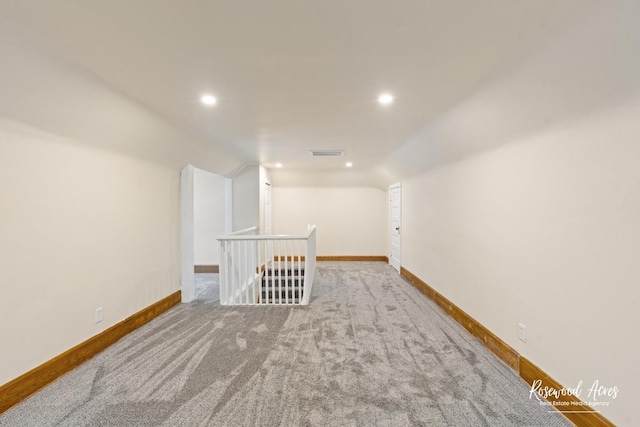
{"points": [[273, 270]]}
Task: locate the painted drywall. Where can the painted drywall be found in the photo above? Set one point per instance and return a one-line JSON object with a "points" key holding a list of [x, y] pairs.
{"points": [[354, 177], [349, 220], [246, 198], [526, 206], [585, 66], [209, 216], [187, 236], [51, 94], [89, 183], [81, 229]]}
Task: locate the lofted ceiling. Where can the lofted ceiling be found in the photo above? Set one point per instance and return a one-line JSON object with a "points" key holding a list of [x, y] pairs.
{"points": [[293, 75]]}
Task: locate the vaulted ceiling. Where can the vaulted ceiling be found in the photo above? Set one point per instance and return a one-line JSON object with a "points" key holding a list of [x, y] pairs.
{"points": [[292, 76]]}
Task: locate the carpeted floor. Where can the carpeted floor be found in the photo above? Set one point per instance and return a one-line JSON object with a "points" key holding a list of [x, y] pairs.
{"points": [[369, 350], [207, 286]]}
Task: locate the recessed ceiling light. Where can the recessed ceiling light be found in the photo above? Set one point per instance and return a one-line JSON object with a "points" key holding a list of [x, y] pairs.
{"points": [[208, 100], [348, 164], [385, 99], [278, 165]]}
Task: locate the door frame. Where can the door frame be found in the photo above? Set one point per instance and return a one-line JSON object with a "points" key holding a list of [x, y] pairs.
{"points": [[391, 229]]}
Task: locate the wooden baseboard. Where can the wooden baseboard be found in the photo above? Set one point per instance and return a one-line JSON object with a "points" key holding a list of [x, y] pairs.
{"points": [[498, 347], [353, 258], [25, 385], [522, 366], [586, 416], [206, 269]]}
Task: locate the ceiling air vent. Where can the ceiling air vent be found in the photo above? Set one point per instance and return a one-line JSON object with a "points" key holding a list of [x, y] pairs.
{"points": [[326, 153]]}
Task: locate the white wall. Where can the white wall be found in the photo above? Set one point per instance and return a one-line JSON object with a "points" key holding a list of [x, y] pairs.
{"points": [[355, 177], [209, 216], [246, 198], [89, 211], [526, 207], [544, 232], [81, 229], [350, 220]]}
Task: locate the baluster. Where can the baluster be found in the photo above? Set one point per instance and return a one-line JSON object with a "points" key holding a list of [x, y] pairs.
{"points": [[265, 291], [299, 285], [238, 260], [231, 274], [271, 277], [223, 270], [286, 271], [279, 272], [235, 264], [254, 270], [272, 290], [245, 273], [307, 266]]}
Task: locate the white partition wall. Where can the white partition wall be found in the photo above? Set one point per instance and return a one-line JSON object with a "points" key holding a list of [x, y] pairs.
{"points": [[90, 204], [246, 198], [210, 213], [524, 204], [351, 220]]}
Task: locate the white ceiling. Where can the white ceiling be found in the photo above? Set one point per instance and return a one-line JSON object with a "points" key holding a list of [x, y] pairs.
{"points": [[292, 75]]}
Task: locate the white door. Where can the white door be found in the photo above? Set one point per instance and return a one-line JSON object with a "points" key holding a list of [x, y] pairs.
{"points": [[395, 232], [267, 209]]}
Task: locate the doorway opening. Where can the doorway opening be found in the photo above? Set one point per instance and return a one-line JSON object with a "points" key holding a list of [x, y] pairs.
{"points": [[204, 216]]}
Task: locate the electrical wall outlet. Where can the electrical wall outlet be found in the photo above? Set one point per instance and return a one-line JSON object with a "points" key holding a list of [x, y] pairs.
{"points": [[522, 332], [98, 318]]}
